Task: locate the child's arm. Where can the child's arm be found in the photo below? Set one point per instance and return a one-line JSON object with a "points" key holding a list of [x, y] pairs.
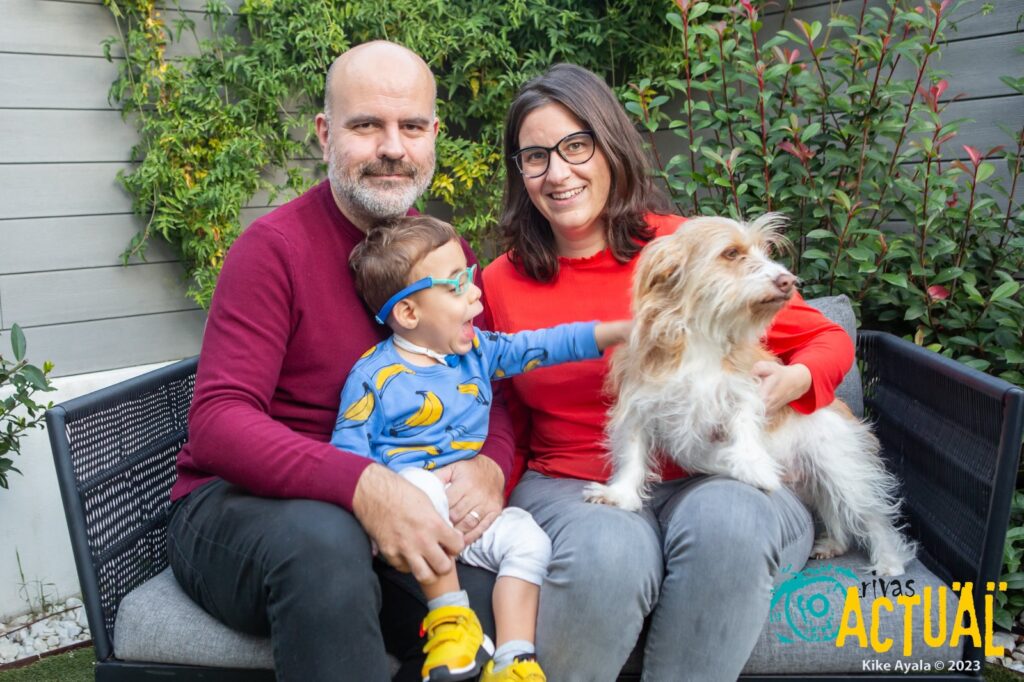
{"points": [[359, 416], [612, 333], [511, 354]]}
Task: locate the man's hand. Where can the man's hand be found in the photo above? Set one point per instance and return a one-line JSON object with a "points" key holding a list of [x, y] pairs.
{"points": [[781, 384], [475, 490], [399, 517]]}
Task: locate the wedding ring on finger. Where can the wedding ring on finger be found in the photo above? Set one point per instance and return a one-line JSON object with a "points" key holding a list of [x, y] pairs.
{"points": [[475, 515]]}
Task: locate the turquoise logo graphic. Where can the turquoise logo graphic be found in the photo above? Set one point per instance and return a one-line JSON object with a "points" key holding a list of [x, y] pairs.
{"points": [[808, 607]]}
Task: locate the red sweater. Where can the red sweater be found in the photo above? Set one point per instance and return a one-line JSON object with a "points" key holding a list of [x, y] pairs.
{"points": [[285, 327], [559, 412]]}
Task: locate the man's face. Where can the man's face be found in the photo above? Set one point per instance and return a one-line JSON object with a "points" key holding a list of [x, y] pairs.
{"points": [[379, 142]]}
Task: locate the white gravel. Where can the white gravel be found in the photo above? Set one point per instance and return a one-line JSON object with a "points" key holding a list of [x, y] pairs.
{"points": [[29, 635]]}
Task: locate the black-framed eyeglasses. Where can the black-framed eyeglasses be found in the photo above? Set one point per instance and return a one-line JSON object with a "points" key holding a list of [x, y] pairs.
{"points": [[574, 148]]}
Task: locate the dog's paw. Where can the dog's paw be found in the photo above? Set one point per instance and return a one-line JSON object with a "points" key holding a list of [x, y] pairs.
{"points": [[761, 473], [889, 565], [613, 496], [826, 548]]}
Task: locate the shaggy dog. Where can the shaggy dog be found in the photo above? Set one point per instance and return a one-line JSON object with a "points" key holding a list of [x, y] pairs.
{"points": [[702, 299]]}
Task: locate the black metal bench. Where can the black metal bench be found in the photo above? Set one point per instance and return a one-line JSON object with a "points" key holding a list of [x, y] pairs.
{"points": [[952, 434]]}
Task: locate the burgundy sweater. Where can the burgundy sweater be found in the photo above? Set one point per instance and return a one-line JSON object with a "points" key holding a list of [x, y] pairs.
{"points": [[285, 327]]}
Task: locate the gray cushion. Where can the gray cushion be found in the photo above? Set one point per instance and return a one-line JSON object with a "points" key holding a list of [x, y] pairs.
{"points": [[158, 622], [800, 635], [839, 310]]}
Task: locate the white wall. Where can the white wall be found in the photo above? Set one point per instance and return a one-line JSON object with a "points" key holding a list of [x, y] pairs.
{"points": [[31, 513]]}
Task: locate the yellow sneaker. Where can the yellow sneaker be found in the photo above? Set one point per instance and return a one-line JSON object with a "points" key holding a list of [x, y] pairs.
{"points": [[456, 647], [523, 669]]}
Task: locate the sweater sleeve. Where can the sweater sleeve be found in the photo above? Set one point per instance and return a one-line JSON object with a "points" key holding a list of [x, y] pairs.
{"points": [[801, 334], [231, 432], [510, 354], [500, 443]]}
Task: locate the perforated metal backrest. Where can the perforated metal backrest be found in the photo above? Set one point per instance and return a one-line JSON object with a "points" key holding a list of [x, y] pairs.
{"points": [[114, 451]]}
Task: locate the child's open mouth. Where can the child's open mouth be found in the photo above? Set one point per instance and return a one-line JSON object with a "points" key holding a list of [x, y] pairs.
{"points": [[467, 333]]}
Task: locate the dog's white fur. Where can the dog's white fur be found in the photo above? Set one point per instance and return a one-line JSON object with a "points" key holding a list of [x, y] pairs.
{"points": [[702, 299]]}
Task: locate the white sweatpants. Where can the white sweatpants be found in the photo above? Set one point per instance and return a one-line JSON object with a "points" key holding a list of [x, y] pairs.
{"points": [[514, 545]]}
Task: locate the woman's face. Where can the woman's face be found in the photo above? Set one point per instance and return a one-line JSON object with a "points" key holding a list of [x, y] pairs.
{"points": [[571, 197]]}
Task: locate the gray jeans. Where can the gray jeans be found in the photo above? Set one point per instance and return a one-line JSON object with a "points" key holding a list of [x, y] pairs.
{"points": [[700, 558]]}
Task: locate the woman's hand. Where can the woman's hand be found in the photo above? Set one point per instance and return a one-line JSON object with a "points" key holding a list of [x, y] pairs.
{"points": [[781, 384], [476, 494]]}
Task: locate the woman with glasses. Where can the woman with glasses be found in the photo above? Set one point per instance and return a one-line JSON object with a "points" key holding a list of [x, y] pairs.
{"points": [[701, 557]]}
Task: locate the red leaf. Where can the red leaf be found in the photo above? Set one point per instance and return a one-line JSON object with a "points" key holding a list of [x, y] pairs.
{"points": [[974, 154], [937, 292], [940, 88]]}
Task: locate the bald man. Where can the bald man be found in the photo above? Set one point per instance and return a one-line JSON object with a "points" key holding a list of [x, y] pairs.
{"points": [[271, 526]]}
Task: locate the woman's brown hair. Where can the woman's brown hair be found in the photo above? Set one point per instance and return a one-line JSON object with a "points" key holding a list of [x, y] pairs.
{"points": [[525, 233]]}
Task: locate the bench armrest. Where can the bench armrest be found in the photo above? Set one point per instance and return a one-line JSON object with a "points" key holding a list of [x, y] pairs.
{"points": [[114, 452], [952, 435]]}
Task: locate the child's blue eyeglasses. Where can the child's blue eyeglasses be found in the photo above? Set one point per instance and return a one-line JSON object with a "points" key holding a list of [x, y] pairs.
{"points": [[459, 286]]}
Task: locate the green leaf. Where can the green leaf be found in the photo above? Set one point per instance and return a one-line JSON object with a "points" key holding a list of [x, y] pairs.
{"points": [[674, 19], [35, 377], [985, 170], [815, 253], [17, 342], [895, 279], [1005, 290], [810, 131], [819, 234]]}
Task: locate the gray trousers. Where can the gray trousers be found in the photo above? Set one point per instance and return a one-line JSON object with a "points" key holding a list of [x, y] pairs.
{"points": [[701, 558]]}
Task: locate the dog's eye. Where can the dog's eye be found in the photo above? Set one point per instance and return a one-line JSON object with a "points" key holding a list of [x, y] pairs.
{"points": [[731, 253]]}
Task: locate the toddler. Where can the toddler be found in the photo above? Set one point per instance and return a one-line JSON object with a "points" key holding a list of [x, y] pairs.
{"points": [[420, 400]]}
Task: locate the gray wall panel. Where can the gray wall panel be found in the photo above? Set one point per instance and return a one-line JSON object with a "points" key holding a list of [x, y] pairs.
{"points": [[52, 82], [83, 347], [40, 298], [45, 190], [55, 135], [74, 28], [42, 244], [967, 21]]}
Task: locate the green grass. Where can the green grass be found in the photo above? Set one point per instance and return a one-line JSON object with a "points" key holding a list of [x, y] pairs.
{"points": [[74, 666]]}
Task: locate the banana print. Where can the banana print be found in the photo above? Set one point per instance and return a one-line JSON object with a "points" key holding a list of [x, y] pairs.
{"points": [[359, 411], [432, 450], [459, 440], [384, 375], [533, 358], [472, 387], [429, 412], [368, 353]]}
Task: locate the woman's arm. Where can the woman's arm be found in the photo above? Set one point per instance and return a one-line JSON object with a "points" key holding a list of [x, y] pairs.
{"points": [[801, 335]]}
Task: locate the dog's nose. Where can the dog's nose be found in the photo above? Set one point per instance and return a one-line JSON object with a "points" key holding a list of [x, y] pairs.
{"points": [[785, 282]]}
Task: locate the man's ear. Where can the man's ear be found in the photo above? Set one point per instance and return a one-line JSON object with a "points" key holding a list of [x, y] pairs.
{"points": [[407, 315], [321, 132]]}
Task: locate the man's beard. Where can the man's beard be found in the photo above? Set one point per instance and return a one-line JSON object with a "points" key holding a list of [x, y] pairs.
{"points": [[381, 199]]}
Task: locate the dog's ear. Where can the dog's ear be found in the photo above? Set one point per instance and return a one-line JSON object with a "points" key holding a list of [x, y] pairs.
{"points": [[658, 268]]}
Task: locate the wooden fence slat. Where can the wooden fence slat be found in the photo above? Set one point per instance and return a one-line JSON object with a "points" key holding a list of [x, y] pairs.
{"points": [[60, 136]]}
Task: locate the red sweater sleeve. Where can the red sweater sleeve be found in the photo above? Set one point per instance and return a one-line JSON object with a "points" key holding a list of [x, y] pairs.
{"points": [[231, 433], [801, 334]]}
